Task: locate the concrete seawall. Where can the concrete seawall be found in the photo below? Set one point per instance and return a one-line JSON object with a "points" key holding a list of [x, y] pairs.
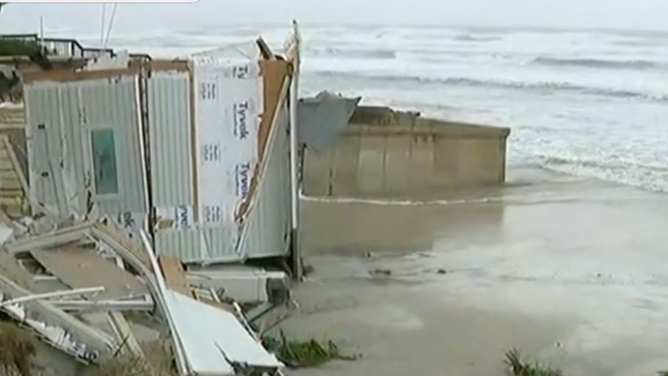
{"points": [[386, 153]]}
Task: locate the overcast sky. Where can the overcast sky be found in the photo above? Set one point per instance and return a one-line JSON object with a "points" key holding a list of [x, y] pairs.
{"points": [[623, 14]]}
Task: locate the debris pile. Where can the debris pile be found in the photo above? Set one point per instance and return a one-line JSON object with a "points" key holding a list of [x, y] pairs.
{"points": [[103, 299]]}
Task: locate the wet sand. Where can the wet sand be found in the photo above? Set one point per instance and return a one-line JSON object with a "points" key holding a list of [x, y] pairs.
{"points": [[571, 271]]}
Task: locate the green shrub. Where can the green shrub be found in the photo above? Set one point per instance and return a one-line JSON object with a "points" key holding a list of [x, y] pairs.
{"points": [[19, 47]]}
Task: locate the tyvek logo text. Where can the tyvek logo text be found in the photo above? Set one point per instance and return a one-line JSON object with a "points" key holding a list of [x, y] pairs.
{"points": [[241, 72], [182, 216], [241, 119], [213, 214], [242, 179]]}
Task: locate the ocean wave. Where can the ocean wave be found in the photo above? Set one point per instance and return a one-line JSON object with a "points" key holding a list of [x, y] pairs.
{"points": [[640, 43], [538, 87], [381, 53], [600, 63], [601, 164], [636, 174], [473, 38]]}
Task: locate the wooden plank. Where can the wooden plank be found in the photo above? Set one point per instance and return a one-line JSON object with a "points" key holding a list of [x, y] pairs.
{"points": [[132, 246], [12, 270], [96, 339], [175, 277], [78, 268], [124, 333], [17, 166]]}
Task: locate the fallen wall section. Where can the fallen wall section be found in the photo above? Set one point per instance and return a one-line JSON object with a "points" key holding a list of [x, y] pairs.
{"points": [[386, 153]]}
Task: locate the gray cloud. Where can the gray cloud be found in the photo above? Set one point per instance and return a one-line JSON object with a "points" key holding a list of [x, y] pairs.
{"points": [[85, 18]]}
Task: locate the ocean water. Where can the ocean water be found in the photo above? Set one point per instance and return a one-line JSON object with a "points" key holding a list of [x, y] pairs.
{"points": [[586, 102]]}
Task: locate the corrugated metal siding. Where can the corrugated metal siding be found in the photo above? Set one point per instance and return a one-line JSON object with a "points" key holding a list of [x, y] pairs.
{"points": [[115, 103], [170, 140], [267, 227], [268, 223], [199, 245], [68, 111], [42, 109], [172, 176]]}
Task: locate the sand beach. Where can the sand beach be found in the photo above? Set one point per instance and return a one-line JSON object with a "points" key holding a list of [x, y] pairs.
{"points": [[568, 270]]}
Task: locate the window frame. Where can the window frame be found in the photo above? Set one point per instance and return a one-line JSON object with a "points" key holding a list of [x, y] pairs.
{"points": [[107, 196]]}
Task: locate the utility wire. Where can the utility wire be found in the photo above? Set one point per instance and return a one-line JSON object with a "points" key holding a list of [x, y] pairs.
{"points": [[111, 24], [102, 23]]}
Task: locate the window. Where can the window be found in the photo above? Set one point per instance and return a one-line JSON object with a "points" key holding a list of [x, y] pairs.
{"points": [[103, 148]]}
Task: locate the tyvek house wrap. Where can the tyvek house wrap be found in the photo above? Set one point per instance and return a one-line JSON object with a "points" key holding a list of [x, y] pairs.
{"points": [[228, 108]]}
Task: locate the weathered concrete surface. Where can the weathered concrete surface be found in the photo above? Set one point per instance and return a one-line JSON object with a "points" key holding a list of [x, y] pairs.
{"points": [[568, 270], [386, 153]]}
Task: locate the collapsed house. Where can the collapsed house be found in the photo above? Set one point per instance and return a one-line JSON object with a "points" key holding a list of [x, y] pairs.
{"points": [[196, 151], [137, 167]]}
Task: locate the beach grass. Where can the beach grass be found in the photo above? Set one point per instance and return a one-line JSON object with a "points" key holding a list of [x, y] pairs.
{"points": [[524, 367]]}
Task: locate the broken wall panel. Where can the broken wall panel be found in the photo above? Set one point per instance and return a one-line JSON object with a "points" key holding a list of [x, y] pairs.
{"points": [[78, 268], [178, 230], [42, 108], [171, 143], [199, 245], [267, 226], [228, 107], [84, 135], [111, 139]]}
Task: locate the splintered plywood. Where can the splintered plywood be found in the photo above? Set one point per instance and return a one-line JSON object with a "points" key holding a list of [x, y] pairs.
{"points": [[174, 274], [10, 268], [81, 268], [273, 75]]}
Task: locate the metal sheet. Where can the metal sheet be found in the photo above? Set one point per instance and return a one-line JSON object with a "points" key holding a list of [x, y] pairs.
{"points": [[267, 228], [216, 340], [60, 118], [322, 118], [198, 245], [267, 225], [170, 139], [41, 110], [115, 104]]}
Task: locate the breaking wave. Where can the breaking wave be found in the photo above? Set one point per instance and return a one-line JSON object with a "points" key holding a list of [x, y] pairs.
{"points": [[353, 53], [473, 38], [537, 87], [601, 63], [640, 175]]}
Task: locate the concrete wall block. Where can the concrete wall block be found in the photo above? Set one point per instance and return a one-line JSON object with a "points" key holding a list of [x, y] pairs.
{"points": [[408, 156], [371, 167], [397, 164], [421, 168], [346, 166], [447, 160], [317, 173]]}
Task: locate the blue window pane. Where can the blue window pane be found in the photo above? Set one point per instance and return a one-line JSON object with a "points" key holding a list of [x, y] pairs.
{"points": [[103, 147]]}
